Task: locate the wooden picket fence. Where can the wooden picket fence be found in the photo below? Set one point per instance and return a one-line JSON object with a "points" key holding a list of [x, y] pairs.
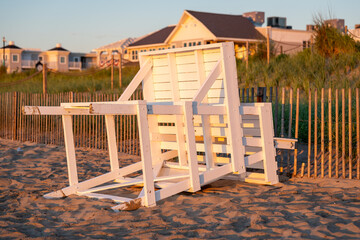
{"points": [[333, 140]]}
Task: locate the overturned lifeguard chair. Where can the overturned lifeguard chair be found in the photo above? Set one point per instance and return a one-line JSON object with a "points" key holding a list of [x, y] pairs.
{"points": [[192, 128]]}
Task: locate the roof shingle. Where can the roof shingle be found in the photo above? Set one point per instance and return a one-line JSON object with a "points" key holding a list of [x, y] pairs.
{"points": [[227, 26], [154, 38]]}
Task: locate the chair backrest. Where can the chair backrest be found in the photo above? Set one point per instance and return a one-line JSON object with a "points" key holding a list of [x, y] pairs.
{"points": [[204, 74]]}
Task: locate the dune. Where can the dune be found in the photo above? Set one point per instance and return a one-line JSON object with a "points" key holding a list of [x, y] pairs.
{"points": [[300, 208]]}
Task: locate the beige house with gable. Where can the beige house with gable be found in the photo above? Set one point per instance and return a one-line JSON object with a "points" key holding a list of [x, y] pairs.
{"points": [[198, 28]]}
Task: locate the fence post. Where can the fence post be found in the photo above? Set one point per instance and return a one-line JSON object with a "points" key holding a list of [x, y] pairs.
{"points": [[44, 79], [309, 135], [296, 129], [15, 119], [350, 136], [112, 72], [120, 70], [330, 133]]}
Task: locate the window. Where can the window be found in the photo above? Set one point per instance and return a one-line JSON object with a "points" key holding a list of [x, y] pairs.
{"points": [[15, 58], [125, 51], [62, 60], [190, 44], [194, 43], [40, 58], [76, 59], [185, 45], [199, 43]]}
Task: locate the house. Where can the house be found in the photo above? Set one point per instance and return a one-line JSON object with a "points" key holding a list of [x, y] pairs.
{"points": [[11, 57], [287, 41], [17, 59], [355, 33], [197, 28], [105, 53]]}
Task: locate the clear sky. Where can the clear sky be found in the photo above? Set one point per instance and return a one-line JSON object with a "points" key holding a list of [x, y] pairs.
{"points": [[82, 25]]}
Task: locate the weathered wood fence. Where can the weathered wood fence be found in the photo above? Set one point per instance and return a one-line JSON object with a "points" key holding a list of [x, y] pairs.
{"points": [[326, 122]]}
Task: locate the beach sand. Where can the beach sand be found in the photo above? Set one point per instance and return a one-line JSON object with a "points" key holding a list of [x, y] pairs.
{"points": [[299, 208]]}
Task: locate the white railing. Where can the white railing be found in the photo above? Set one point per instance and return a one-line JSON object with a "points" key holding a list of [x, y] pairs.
{"points": [[28, 63], [74, 65], [51, 65]]}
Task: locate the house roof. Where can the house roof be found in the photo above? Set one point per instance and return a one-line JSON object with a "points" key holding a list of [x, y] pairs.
{"points": [[155, 37], [119, 44], [58, 49], [11, 46], [227, 26]]}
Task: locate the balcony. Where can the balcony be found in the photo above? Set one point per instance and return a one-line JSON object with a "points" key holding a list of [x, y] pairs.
{"points": [[26, 64], [74, 65]]}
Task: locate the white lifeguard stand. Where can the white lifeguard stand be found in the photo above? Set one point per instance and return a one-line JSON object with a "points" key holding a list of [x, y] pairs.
{"points": [[192, 128]]}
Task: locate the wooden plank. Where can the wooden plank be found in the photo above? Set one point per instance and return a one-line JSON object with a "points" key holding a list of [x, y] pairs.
{"points": [[208, 82], [233, 103], [106, 196], [350, 135], [180, 139], [309, 134], [146, 160], [357, 135], [191, 147], [214, 174], [322, 134], [70, 149], [337, 133], [142, 73], [343, 132], [112, 145], [172, 189], [330, 133], [296, 128], [268, 149]]}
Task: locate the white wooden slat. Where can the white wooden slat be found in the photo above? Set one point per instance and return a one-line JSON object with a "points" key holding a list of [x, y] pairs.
{"points": [[112, 145], [186, 68], [208, 82], [112, 186], [233, 103], [114, 109], [172, 189], [142, 73], [160, 61], [106, 196], [161, 70], [254, 158], [163, 86], [266, 124], [191, 147], [214, 174], [161, 78], [178, 119], [185, 58], [163, 95], [70, 150], [187, 77], [190, 85], [146, 160]]}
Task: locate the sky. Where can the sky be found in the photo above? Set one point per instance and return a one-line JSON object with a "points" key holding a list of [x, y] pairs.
{"points": [[83, 25]]}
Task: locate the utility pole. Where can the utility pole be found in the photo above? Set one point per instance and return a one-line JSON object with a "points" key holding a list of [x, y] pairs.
{"points": [[247, 55], [112, 72], [120, 70], [268, 45], [44, 79], [4, 41]]}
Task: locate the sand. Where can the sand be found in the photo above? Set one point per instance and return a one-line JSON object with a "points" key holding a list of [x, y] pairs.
{"points": [[299, 208]]}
